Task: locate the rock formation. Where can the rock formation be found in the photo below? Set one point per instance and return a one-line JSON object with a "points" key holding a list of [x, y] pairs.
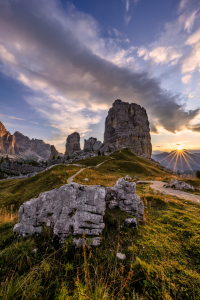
{"points": [[54, 153], [70, 210], [33, 148], [74, 209], [123, 195], [7, 141], [72, 143], [92, 145], [180, 185], [127, 126]]}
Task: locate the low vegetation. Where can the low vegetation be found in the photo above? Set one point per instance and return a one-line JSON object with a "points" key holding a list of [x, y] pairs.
{"points": [[163, 254]]}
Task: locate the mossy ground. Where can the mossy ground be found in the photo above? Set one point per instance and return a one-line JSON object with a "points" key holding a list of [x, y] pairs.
{"points": [[163, 257]]}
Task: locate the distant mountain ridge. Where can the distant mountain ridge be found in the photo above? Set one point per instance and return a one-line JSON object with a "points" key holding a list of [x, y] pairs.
{"points": [[179, 161], [22, 146]]}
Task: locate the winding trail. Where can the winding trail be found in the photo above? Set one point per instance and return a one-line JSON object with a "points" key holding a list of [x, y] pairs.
{"points": [[159, 186], [70, 179]]}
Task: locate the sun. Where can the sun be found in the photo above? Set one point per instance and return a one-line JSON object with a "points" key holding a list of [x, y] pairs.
{"points": [[179, 148]]}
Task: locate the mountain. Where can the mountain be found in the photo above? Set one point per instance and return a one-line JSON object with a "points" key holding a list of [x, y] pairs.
{"points": [[21, 146], [182, 161], [7, 142]]}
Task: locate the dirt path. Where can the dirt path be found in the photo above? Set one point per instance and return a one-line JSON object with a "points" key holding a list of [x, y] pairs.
{"points": [[70, 179], [159, 186]]}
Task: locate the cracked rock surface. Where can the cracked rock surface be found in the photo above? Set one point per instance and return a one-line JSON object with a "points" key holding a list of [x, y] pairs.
{"points": [[70, 210], [123, 195], [74, 209]]}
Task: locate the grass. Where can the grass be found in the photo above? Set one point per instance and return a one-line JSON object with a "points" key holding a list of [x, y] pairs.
{"points": [[163, 254], [15, 192], [124, 162]]}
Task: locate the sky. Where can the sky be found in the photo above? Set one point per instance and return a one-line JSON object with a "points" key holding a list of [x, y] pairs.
{"points": [[63, 64]]}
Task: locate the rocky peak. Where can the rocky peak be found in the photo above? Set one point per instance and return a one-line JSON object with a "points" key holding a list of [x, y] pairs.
{"points": [[72, 143], [127, 125], [92, 145], [7, 141], [54, 153]]}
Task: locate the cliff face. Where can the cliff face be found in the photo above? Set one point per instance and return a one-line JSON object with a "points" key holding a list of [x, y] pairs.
{"points": [[7, 142], [72, 143], [32, 147], [127, 126]]}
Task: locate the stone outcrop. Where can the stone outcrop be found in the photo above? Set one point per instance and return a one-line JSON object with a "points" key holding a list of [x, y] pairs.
{"points": [[54, 153], [74, 209], [179, 185], [127, 126], [72, 143], [92, 145], [7, 142], [123, 195], [32, 148], [70, 210]]}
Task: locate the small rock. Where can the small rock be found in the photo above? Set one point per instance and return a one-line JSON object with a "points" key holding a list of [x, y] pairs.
{"points": [[121, 256], [35, 250], [86, 179], [127, 177], [131, 222], [163, 193]]}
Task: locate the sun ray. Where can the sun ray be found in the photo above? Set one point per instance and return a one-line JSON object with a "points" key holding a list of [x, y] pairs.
{"points": [[178, 153], [188, 163], [190, 158], [175, 154], [168, 155]]}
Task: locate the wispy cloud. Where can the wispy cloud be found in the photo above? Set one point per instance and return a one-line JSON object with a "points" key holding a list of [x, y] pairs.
{"points": [[34, 122], [11, 117]]}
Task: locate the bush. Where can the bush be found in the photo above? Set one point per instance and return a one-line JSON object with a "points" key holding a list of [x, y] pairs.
{"points": [[198, 174]]}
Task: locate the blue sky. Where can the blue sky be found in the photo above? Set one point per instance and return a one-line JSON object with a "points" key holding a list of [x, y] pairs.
{"points": [[62, 65]]}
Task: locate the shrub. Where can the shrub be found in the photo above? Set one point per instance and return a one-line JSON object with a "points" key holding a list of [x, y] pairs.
{"points": [[198, 174]]}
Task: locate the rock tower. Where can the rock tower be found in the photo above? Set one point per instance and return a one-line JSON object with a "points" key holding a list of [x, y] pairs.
{"points": [[72, 143], [127, 126]]}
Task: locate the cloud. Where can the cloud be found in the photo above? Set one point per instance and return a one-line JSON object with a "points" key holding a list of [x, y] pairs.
{"points": [[190, 21], [33, 122], [11, 117], [186, 79], [75, 74], [160, 55]]}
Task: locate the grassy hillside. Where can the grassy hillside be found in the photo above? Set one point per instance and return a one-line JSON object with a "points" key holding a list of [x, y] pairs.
{"points": [[119, 164], [14, 192], [163, 254]]}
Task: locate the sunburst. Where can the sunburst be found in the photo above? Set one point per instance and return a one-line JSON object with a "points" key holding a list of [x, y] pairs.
{"points": [[182, 155]]}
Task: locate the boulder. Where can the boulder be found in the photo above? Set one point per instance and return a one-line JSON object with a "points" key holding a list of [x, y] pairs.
{"points": [[127, 126], [179, 185], [74, 209], [123, 195], [72, 143], [127, 177], [70, 210]]}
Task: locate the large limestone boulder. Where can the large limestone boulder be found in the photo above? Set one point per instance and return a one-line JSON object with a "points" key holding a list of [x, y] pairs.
{"points": [[123, 195], [127, 126], [72, 143], [7, 142], [92, 145], [74, 209], [70, 210]]}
